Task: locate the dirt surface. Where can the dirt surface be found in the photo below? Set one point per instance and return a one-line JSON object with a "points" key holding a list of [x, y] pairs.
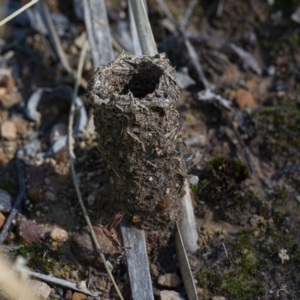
{"points": [[247, 158]]}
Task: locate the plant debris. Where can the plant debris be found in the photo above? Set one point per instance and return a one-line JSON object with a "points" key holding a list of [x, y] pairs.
{"points": [[134, 100]]}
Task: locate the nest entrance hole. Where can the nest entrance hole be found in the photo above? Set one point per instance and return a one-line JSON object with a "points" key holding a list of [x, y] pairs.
{"points": [[143, 81]]}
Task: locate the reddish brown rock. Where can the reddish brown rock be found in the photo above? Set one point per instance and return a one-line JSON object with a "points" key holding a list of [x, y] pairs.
{"points": [[2, 156], [8, 82], [84, 249], [78, 296], [2, 219], [62, 156], [30, 232], [244, 98], [21, 124], [8, 130], [34, 195]]}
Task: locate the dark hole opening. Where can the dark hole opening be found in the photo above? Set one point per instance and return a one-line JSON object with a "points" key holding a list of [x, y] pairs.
{"points": [[144, 81], [159, 110]]}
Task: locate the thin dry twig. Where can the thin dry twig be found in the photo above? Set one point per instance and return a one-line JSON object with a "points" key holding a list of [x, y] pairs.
{"points": [[220, 8], [207, 92], [20, 197], [17, 12], [62, 282], [56, 44], [225, 249], [74, 177], [187, 14], [190, 48]]}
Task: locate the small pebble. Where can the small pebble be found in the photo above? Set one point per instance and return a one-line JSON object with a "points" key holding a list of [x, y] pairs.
{"points": [[283, 255], [194, 180], [60, 291], [41, 289], [170, 280], [57, 131], [244, 98], [68, 295], [91, 199], [8, 130], [49, 196], [59, 235], [47, 181], [82, 285], [154, 270], [78, 296], [5, 201], [297, 197], [250, 38], [30, 232], [62, 156], [2, 156], [84, 249], [2, 219], [271, 70], [170, 295], [34, 195], [74, 274]]}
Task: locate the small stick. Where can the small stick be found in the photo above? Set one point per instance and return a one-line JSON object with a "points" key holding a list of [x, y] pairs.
{"points": [[187, 224], [190, 48], [20, 197], [96, 22], [62, 282], [56, 44], [136, 47], [143, 27], [225, 249], [187, 14], [220, 8], [17, 12], [184, 266]]}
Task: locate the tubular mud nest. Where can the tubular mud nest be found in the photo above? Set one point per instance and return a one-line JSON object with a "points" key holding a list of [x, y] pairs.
{"points": [[135, 116]]}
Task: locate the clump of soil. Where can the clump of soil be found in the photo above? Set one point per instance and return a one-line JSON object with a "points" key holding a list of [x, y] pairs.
{"points": [[223, 183], [134, 100]]}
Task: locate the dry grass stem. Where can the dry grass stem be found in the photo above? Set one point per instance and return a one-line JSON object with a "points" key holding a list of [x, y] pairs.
{"points": [[143, 27], [17, 12], [74, 177]]}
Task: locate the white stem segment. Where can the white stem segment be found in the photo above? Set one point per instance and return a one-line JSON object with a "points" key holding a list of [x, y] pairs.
{"points": [[187, 225], [143, 27], [136, 46]]}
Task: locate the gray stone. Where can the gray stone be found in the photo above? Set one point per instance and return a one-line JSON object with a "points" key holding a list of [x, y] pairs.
{"points": [[170, 280], [170, 295], [5, 201], [41, 289]]}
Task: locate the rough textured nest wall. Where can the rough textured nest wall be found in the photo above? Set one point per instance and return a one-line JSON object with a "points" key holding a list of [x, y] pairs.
{"points": [[135, 116]]}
